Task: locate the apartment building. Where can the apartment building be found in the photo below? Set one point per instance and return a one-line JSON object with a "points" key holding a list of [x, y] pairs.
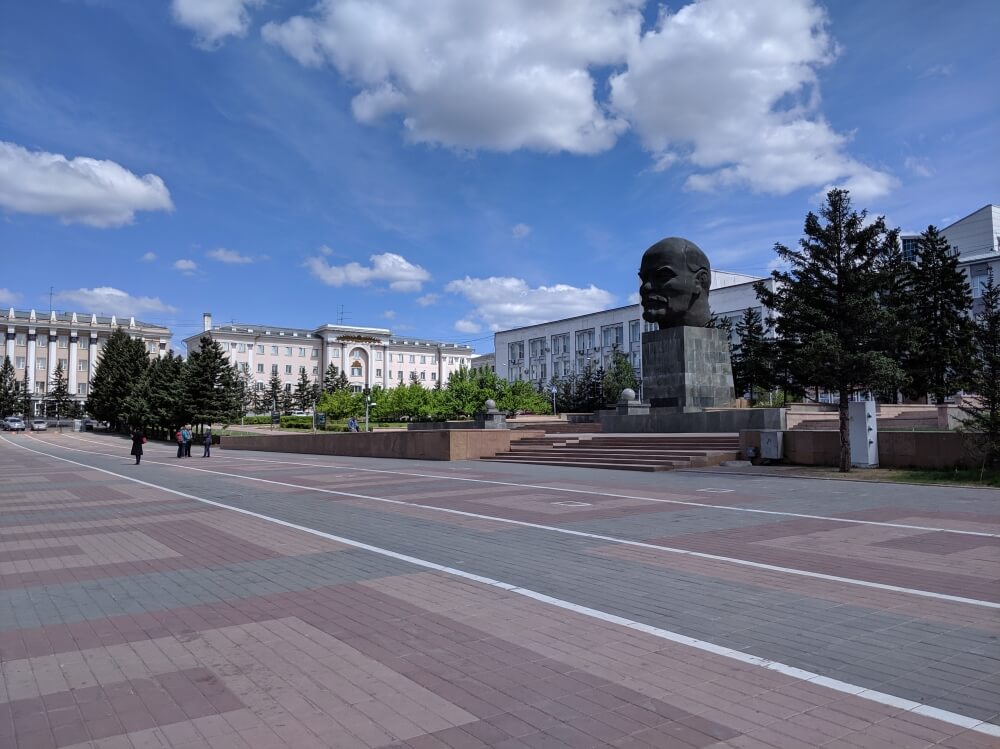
{"points": [[368, 356], [36, 343]]}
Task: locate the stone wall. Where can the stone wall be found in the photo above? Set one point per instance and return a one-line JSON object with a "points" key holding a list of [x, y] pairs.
{"points": [[671, 420], [895, 449], [462, 444]]}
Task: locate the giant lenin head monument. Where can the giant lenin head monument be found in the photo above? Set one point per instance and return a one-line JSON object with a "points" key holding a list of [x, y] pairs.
{"points": [[686, 364]]}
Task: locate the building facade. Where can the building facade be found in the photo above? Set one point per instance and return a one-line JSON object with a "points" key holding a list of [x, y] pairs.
{"points": [[560, 348], [37, 343], [976, 240], [368, 356]]}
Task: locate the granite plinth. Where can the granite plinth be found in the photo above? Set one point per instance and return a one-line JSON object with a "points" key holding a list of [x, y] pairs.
{"points": [[691, 421], [687, 368]]}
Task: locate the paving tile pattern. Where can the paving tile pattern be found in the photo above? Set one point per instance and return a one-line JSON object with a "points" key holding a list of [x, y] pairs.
{"points": [[133, 617]]}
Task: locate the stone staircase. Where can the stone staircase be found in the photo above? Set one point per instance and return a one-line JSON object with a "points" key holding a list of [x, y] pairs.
{"points": [[557, 427], [889, 417], [622, 452]]}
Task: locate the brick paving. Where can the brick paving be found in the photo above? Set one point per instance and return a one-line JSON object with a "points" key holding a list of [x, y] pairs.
{"points": [[133, 617]]}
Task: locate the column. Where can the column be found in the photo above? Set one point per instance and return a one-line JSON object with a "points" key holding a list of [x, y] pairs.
{"points": [[11, 336], [30, 361], [53, 353], [91, 360], [368, 367], [386, 366], [71, 379]]}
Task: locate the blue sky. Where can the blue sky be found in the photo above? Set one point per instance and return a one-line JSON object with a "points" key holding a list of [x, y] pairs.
{"points": [[453, 167]]}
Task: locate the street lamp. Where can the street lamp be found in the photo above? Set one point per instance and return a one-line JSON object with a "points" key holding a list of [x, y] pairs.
{"points": [[368, 405], [554, 390]]}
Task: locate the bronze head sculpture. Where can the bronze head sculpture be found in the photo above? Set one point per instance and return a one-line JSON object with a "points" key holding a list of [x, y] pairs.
{"points": [[675, 277]]}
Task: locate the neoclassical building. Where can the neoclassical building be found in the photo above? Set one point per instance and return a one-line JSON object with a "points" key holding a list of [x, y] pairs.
{"points": [[368, 356], [36, 343]]}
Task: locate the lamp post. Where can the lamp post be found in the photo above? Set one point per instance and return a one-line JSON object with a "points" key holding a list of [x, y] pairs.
{"points": [[554, 390], [368, 404]]}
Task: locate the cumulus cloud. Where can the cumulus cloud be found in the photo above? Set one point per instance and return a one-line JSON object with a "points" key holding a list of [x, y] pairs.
{"points": [[495, 75], [229, 256], [148, 257], [112, 301], [389, 314], [185, 266], [214, 20], [520, 231], [467, 326], [634, 298], [9, 297], [917, 166], [81, 190], [395, 270], [427, 299], [504, 302], [730, 88]]}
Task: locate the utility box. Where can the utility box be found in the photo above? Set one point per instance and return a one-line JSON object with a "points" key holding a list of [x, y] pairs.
{"points": [[772, 445], [863, 432]]}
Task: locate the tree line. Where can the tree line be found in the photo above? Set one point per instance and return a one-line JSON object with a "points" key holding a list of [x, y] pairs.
{"points": [[851, 314]]}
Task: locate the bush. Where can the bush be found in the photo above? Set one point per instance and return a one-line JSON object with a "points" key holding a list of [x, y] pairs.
{"points": [[257, 419], [296, 422]]}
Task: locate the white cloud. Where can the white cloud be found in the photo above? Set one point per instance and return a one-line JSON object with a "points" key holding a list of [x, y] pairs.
{"points": [[229, 256], [397, 271], [427, 299], [186, 266], [9, 297], [917, 166], [467, 326], [520, 231], [389, 314], [495, 75], [148, 257], [81, 190], [214, 20], [503, 302], [730, 88], [111, 301], [634, 298]]}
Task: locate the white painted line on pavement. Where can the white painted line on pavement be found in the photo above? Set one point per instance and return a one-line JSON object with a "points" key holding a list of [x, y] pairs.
{"points": [[945, 716], [569, 532]]}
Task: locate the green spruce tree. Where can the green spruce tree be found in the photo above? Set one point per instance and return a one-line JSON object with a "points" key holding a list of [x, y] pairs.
{"points": [[753, 356], [942, 347], [619, 376], [331, 379], [58, 393], [119, 368], [982, 409], [827, 305], [208, 383], [274, 390], [303, 391], [8, 388]]}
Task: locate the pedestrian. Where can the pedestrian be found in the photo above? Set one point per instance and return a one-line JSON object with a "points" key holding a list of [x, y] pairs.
{"points": [[186, 434], [180, 442], [138, 440], [352, 424], [207, 442]]}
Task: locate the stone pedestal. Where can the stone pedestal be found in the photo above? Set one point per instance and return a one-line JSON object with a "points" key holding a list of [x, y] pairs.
{"points": [[687, 368], [491, 418]]}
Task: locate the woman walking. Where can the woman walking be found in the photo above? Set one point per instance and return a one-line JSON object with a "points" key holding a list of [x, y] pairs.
{"points": [[207, 443], [138, 439]]}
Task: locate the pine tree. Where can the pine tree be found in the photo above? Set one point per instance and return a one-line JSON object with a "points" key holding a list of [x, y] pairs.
{"points": [[983, 410], [119, 368], [331, 379], [827, 305], [303, 391], [58, 395], [753, 356], [8, 388], [166, 395], [274, 391], [22, 404], [286, 401], [943, 331], [620, 375], [896, 299], [208, 383]]}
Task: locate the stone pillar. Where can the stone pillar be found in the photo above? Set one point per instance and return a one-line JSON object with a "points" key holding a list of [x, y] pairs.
{"points": [[53, 353], [11, 337], [71, 378], [30, 361], [386, 366], [91, 361], [687, 367]]}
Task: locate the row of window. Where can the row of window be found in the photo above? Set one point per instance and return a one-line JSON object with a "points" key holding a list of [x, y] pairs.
{"points": [[559, 344], [62, 341], [41, 362], [335, 354], [81, 389]]}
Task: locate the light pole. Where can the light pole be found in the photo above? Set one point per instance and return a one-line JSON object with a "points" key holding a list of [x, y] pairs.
{"points": [[554, 389], [368, 405]]}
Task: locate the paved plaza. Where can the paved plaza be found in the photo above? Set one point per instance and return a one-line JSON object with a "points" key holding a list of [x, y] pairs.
{"points": [[271, 600]]}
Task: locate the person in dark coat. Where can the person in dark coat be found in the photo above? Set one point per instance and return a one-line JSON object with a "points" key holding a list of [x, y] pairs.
{"points": [[180, 442], [138, 438], [207, 442]]}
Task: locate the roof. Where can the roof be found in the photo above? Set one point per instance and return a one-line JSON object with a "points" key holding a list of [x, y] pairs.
{"points": [[83, 319]]}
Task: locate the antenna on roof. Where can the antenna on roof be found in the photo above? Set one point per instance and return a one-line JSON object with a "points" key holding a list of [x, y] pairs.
{"points": [[51, 289], [341, 315]]}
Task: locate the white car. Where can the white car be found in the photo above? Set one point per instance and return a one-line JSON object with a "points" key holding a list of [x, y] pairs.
{"points": [[39, 425], [13, 424]]}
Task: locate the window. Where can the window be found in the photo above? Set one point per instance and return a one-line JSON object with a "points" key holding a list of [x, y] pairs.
{"points": [[335, 353], [413, 359], [584, 340], [423, 359], [41, 363], [400, 359], [288, 350], [400, 375], [40, 386], [314, 353], [979, 285], [356, 369], [20, 338], [434, 375], [288, 369], [302, 370], [20, 362], [274, 369], [274, 350], [63, 341], [910, 249], [81, 388], [611, 335], [302, 351], [357, 353], [634, 334], [260, 348], [536, 347], [560, 344], [65, 364], [288, 387], [515, 352], [378, 356], [315, 371], [82, 365], [241, 348], [152, 347], [423, 375], [434, 360], [378, 372], [258, 386], [260, 368], [245, 367]]}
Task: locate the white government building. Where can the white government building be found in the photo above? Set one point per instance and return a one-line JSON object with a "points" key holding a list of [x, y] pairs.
{"points": [[537, 353], [368, 356], [36, 343]]}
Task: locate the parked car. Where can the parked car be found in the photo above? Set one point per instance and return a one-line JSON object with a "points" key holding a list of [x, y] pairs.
{"points": [[13, 424], [39, 425]]}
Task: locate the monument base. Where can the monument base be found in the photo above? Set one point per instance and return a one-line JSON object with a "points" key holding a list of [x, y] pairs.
{"points": [[687, 368], [692, 420]]}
